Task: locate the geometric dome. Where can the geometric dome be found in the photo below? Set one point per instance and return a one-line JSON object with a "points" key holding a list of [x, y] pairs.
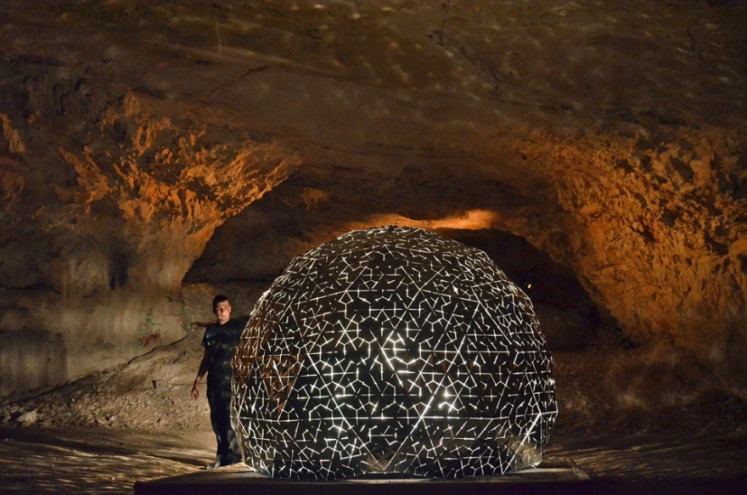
{"points": [[392, 351]]}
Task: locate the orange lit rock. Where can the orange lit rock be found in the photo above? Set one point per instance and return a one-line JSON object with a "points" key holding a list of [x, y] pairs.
{"points": [[142, 143]]}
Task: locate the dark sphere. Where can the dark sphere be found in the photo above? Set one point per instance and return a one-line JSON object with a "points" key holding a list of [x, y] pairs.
{"points": [[392, 351]]}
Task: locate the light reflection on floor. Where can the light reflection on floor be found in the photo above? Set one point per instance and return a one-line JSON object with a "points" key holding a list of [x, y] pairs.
{"points": [[660, 458], [110, 461], [95, 461]]}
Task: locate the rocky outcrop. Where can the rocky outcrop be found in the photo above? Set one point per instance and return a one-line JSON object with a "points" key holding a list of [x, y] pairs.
{"points": [[109, 194], [656, 232]]}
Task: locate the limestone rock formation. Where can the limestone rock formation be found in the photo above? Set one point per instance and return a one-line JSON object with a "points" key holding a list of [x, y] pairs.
{"points": [[140, 141]]}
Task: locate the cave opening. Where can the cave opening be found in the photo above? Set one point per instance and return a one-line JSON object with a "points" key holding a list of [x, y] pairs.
{"points": [[570, 319]]}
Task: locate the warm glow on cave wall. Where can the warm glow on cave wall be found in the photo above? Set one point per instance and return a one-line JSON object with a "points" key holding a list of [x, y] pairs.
{"points": [[136, 134]]}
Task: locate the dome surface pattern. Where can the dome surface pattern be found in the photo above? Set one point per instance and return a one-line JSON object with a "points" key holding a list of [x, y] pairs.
{"points": [[392, 351]]}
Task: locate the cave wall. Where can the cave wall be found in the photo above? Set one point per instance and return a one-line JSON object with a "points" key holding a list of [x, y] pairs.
{"points": [[31, 360], [109, 194], [140, 139]]}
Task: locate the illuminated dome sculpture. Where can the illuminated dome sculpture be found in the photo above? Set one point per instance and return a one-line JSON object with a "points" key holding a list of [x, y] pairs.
{"points": [[392, 351]]}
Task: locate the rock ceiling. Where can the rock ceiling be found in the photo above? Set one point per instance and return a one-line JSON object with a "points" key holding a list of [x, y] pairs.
{"points": [[145, 142]]}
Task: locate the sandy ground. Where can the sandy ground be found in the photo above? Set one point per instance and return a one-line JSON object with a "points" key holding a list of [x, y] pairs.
{"points": [[643, 413], [97, 460]]}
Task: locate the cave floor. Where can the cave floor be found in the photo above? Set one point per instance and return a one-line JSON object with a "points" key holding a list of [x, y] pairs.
{"points": [[105, 460]]}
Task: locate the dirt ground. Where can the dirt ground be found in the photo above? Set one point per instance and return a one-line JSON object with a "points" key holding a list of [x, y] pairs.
{"points": [[622, 414], [109, 460]]}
